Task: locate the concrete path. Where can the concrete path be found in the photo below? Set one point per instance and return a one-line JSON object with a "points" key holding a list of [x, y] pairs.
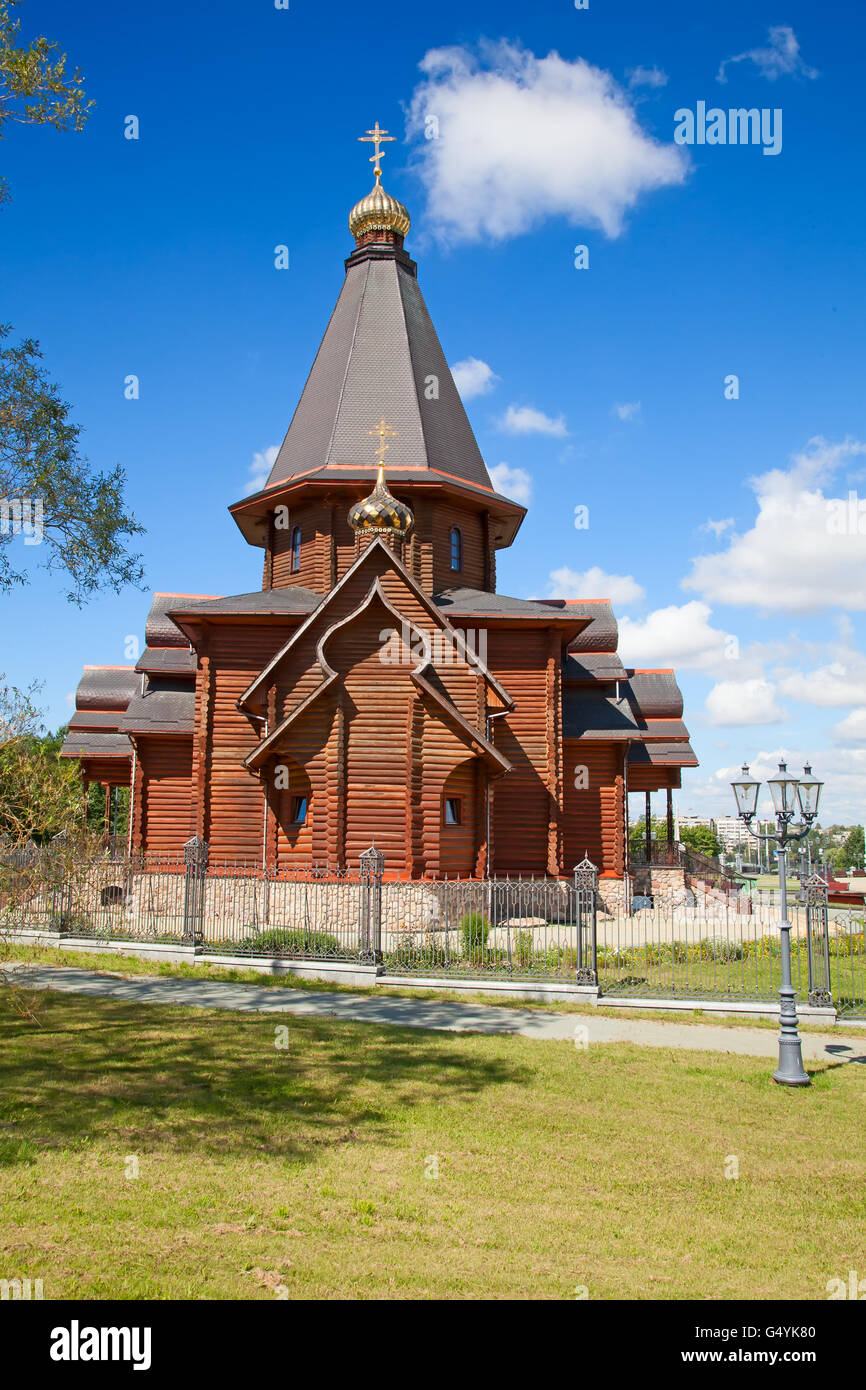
{"points": [[422, 1013]]}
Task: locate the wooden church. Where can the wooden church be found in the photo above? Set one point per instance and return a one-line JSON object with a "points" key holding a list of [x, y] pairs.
{"points": [[377, 688]]}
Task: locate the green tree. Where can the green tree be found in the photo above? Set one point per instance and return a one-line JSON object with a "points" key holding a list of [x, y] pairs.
{"points": [[702, 839], [851, 852], [76, 516], [637, 833], [40, 794], [34, 86]]}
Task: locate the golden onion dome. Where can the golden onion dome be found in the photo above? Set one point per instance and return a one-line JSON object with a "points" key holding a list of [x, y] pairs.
{"points": [[380, 513], [379, 212]]}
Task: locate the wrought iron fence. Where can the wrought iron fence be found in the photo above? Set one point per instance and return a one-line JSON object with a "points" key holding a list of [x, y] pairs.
{"points": [[520, 928]]}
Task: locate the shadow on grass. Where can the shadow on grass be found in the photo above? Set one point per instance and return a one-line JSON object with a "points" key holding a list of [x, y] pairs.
{"points": [[105, 1074]]}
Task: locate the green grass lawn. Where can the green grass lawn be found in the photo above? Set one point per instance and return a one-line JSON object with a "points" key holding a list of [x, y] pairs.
{"points": [[116, 963], [305, 1169]]}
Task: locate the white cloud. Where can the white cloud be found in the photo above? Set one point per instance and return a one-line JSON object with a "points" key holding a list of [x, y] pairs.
{"points": [[717, 527], [511, 482], [829, 687], [628, 410], [674, 636], [524, 420], [260, 469], [852, 729], [472, 377], [781, 57], [792, 559], [594, 583], [519, 138], [647, 77], [739, 703]]}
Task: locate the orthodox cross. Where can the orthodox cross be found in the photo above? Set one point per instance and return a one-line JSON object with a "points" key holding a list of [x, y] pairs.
{"points": [[384, 432], [377, 137]]}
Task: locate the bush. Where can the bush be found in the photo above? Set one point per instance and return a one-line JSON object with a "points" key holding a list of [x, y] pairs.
{"points": [[291, 941], [74, 922], [719, 948], [412, 955], [524, 949], [474, 931]]}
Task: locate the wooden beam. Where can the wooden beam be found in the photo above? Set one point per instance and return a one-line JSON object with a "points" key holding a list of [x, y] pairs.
{"points": [[482, 781], [670, 810], [621, 832], [332, 547], [137, 807], [554, 752], [202, 739], [272, 805], [342, 782], [268, 575], [648, 827]]}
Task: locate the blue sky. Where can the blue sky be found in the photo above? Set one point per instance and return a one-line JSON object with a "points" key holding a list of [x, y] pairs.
{"points": [[606, 385]]}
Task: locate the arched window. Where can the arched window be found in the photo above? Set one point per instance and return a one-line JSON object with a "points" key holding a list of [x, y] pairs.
{"points": [[456, 548], [296, 548]]}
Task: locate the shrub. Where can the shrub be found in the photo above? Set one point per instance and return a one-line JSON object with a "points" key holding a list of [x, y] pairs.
{"points": [[720, 948], [291, 941], [524, 949], [474, 931], [75, 922], [412, 955]]}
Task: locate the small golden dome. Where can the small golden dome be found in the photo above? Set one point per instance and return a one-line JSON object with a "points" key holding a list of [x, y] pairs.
{"points": [[379, 212], [381, 513]]}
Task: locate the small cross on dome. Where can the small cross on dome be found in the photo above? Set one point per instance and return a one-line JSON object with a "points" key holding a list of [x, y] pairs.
{"points": [[377, 137]]}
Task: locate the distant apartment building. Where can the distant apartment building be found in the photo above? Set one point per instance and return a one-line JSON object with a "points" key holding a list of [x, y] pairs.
{"points": [[730, 829]]}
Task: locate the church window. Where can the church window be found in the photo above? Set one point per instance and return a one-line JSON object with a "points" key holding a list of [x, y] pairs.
{"points": [[299, 810], [296, 548], [456, 548], [453, 810]]}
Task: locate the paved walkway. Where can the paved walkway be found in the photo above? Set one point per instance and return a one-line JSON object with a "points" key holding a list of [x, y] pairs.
{"points": [[423, 1013]]}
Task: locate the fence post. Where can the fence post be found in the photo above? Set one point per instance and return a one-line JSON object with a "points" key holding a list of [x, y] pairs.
{"points": [[586, 903], [817, 893], [372, 863], [195, 859]]}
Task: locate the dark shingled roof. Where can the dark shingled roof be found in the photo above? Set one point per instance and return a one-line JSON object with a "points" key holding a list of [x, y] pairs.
{"points": [[663, 754], [105, 719], [293, 599], [593, 666], [168, 661], [601, 633], [664, 729], [587, 714], [378, 350], [90, 745], [161, 712], [106, 687], [459, 602], [656, 693], [159, 630]]}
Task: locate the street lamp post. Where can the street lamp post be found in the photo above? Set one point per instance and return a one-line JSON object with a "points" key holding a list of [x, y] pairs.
{"points": [[789, 794]]}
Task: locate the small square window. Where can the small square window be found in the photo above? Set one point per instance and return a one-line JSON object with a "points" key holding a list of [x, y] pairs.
{"points": [[453, 810], [299, 810]]}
